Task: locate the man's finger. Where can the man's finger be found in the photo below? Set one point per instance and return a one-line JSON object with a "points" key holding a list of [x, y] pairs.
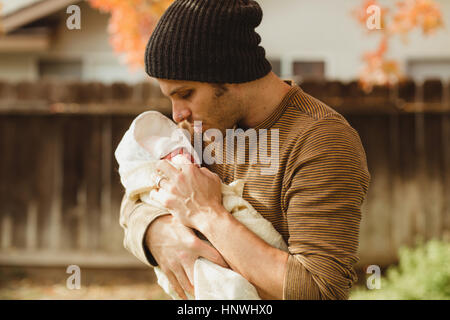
{"points": [[167, 169], [183, 280], [188, 167], [175, 284], [189, 270], [209, 173], [161, 196], [210, 253], [205, 170]]}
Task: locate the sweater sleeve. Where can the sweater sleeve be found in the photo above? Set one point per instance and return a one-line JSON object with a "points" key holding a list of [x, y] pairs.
{"points": [[325, 184], [135, 218]]}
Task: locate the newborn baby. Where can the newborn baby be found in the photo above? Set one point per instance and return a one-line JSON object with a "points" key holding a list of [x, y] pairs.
{"points": [[153, 137]]}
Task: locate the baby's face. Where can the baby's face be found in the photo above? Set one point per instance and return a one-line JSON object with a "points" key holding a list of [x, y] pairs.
{"points": [[179, 151]]}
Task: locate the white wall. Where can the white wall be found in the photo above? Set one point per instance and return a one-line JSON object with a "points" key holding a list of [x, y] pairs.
{"points": [[326, 29]]}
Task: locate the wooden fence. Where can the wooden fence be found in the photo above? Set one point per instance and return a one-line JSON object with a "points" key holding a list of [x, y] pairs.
{"points": [[60, 190]]}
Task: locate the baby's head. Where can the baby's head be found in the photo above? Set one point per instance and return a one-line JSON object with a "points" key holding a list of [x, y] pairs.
{"points": [[163, 139], [180, 155]]}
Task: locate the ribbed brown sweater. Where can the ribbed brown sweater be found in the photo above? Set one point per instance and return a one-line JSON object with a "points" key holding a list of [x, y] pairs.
{"points": [[314, 199]]}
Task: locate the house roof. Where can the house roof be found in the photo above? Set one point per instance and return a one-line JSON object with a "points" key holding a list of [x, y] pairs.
{"points": [[17, 13]]}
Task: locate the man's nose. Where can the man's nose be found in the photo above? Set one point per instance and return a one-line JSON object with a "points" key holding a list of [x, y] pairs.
{"points": [[180, 113]]}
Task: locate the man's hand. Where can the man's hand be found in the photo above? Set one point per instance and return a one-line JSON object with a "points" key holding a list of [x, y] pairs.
{"points": [[190, 194], [193, 196], [175, 248]]}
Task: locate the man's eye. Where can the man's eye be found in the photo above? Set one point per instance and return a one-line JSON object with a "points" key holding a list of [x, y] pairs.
{"points": [[186, 95]]}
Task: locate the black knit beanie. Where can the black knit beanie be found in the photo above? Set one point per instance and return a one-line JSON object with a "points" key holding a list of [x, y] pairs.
{"points": [[208, 41]]}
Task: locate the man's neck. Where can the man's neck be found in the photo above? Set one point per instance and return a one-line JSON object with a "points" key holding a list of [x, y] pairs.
{"points": [[263, 97]]}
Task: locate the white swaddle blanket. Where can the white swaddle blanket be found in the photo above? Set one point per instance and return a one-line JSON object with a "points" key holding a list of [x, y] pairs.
{"points": [[150, 138]]}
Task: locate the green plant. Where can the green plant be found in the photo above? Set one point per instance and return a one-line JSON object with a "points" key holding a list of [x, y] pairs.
{"points": [[423, 272]]}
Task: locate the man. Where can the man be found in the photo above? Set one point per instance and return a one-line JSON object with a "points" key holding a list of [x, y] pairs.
{"points": [[207, 59]]}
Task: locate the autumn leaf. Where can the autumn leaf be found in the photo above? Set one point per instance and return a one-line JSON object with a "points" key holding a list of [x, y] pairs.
{"points": [[2, 31], [131, 25], [407, 16], [378, 70], [411, 14]]}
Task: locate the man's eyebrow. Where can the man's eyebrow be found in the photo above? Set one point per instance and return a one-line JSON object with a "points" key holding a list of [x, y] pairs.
{"points": [[174, 91]]}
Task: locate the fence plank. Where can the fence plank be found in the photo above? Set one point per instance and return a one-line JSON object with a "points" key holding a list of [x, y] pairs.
{"points": [[107, 219], [446, 174], [93, 175], [406, 199], [32, 226], [433, 188], [55, 228], [74, 206], [379, 209], [8, 182], [397, 196], [43, 176], [6, 239], [81, 209]]}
